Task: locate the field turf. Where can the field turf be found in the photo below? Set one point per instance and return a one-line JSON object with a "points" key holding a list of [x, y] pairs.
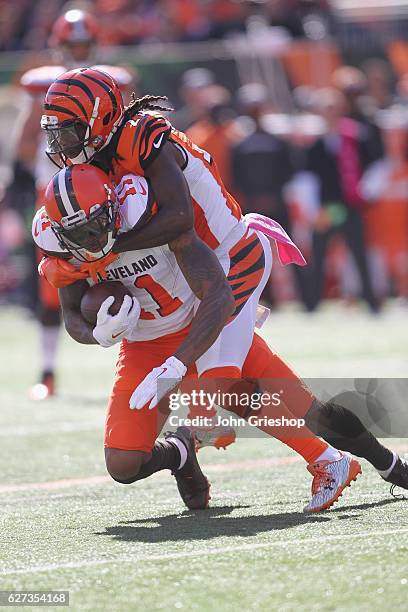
{"points": [[65, 525]]}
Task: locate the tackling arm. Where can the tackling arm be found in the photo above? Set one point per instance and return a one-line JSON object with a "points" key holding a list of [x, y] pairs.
{"points": [[76, 326], [208, 282], [175, 214]]}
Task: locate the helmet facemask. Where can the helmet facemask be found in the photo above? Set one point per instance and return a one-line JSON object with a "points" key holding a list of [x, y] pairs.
{"points": [[90, 238], [83, 110], [68, 140]]}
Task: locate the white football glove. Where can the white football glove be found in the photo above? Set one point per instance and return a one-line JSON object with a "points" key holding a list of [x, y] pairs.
{"points": [[111, 329], [158, 383]]}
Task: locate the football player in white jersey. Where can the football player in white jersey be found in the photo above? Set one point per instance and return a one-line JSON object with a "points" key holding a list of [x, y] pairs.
{"points": [[85, 120], [183, 304]]}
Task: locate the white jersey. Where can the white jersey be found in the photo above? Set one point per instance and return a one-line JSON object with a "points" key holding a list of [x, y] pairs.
{"points": [[151, 275]]}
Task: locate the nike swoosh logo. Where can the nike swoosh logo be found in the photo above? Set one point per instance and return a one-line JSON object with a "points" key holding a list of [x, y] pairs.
{"points": [[158, 142], [118, 334]]}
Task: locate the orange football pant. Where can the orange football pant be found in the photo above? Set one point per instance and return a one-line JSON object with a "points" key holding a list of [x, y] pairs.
{"points": [[265, 372], [138, 429]]}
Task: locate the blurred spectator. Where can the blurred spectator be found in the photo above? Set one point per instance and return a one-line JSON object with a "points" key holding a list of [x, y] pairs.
{"points": [[261, 161], [129, 22], [304, 97], [195, 84], [353, 85], [338, 160], [73, 38], [402, 90], [12, 23], [262, 164], [26, 24], [217, 132], [302, 18], [186, 20], [226, 17], [386, 184], [379, 82]]}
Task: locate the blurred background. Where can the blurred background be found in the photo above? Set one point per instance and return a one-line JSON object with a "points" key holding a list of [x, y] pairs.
{"points": [[302, 103]]}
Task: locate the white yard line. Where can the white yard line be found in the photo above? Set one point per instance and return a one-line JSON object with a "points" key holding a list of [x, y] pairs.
{"points": [[204, 552], [20, 431]]}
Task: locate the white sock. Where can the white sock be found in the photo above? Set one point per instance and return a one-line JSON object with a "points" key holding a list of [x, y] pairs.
{"points": [[48, 344], [182, 450], [330, 454], [386, 473]]}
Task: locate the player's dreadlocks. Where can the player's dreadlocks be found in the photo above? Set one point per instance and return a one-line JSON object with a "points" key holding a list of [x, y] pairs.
{"points": [[145, 103]]}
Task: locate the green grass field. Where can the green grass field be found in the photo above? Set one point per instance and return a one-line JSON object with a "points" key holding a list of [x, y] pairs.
{"points": [[65, 525]]}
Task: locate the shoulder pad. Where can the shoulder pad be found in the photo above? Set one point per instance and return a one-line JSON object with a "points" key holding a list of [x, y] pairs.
{"points": [[38, 80], [136, 200], [141, 140], [43, 235]]}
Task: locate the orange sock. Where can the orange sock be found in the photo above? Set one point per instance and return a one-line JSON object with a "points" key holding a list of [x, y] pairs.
{"points": [[275, 376]]}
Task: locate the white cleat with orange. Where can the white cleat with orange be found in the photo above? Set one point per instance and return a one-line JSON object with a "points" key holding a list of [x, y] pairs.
{"points": [[330, 478], [218, 436]]}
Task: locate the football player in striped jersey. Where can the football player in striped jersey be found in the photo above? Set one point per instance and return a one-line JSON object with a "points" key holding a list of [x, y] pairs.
{"points": [[191, 322], [86, 121]]}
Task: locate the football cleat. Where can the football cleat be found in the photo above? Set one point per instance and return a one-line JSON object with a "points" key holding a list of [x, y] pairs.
{"points": [[193, 486], [399, 475], [218, 436], [329, 480], [44, 389]]}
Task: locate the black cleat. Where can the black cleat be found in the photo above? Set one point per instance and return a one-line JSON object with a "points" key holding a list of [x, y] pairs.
{"points": [[193, 486], [399, 475]]}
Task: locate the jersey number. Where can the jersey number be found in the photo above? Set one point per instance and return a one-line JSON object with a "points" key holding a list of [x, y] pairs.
{"points": [[166, 304]]}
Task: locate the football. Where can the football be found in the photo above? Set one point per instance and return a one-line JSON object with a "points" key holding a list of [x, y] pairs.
{"points": [[95, 295]]}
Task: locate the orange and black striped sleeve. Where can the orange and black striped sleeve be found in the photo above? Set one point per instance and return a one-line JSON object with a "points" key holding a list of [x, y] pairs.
{"points": [[141, 141]]}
